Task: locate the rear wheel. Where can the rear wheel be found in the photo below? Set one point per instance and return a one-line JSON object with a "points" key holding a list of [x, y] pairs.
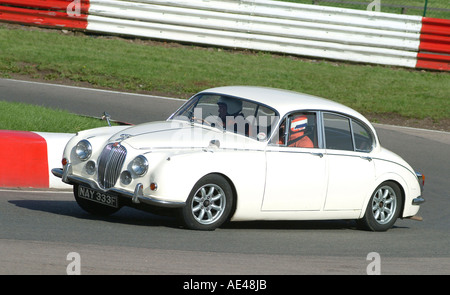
{"points": [[209, 204], [93, 207], [383, 208]]}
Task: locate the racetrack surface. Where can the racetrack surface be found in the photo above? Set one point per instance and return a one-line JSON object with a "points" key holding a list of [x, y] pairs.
{"points": [[39, 228]]}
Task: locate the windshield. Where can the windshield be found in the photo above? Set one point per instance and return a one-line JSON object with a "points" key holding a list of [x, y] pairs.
{"points": [[229, 113]]}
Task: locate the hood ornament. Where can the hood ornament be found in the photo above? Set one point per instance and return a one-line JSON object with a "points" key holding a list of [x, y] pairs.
{"points": [[123, 137]]}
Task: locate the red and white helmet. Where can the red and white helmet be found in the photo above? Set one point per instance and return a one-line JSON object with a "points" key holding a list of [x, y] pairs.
{"points": [[299, 124]]}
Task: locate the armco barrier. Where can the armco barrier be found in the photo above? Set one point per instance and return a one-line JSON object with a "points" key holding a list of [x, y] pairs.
{"points": [[26, 159], [275, 26], [434, 48], [51, 13]]}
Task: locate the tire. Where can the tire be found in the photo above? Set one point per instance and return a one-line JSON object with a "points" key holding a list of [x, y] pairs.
{"points": [[209, 204], [383, 208], [93, 207]]}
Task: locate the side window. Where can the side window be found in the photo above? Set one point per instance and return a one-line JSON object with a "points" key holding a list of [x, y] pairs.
{"points": [[265, 119], [363, 137], [337, 132], [298, 130], [279, 137]]}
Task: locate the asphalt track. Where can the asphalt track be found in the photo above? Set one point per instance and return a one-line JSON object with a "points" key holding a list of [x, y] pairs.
{"points": [[38, 229]]}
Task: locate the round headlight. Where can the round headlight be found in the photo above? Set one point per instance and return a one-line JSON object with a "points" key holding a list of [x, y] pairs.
{"points": [[139, 165], [83, 150]]}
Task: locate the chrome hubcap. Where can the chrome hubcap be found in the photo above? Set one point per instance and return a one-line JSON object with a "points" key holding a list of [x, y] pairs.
{"points": [[208, 204], [384, 204]]}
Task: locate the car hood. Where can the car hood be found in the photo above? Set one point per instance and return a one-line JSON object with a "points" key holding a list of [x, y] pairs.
{"points": [[179, 134]]}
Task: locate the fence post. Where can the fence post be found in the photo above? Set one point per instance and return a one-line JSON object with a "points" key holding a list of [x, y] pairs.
{"points": [[425, 8]]}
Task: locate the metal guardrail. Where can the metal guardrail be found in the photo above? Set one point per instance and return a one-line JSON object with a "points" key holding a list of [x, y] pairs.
{"points": [[273, 26], [402, 7], [307, 30]]}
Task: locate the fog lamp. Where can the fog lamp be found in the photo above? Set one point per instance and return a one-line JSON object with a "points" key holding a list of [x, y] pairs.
{"points": [[90, 167], [125, 177]]}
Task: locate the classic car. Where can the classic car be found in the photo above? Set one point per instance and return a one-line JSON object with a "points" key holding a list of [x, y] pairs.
{"points": [[240, 153]]}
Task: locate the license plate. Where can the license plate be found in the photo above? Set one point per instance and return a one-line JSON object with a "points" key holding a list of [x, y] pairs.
{"points": [[97, 196]]}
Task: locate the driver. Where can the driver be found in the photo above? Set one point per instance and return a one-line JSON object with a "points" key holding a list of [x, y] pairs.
{"points": [[297, 136], [229, 107], [230, 112]]}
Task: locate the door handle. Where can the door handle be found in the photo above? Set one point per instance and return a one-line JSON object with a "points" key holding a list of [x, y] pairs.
{"points": [[320, 155], [366, 158]]}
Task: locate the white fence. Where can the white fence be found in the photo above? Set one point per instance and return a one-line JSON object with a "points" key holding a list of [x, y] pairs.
{"points": [[274, 26]]}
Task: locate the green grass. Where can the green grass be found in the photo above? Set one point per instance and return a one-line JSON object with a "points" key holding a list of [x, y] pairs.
{"points": [[181, 71], [21, 116], [435, 8]]}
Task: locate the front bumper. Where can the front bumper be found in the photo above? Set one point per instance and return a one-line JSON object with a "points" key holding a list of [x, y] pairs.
{"points": [[417, 201], [136, 197], [421, 179]]}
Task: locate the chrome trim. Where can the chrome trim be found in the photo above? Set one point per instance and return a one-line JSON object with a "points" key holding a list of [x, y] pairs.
{"points": [[138, 193], [66, 170], [419, 179], [417, 201], [137, 196], [110, 164], [58, 172]]}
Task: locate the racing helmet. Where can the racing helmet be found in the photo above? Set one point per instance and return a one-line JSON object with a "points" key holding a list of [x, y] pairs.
{"points": [[299, 124]]}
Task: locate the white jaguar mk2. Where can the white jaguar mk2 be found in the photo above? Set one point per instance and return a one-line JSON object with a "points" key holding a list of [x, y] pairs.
{"points": [[245, 153]]}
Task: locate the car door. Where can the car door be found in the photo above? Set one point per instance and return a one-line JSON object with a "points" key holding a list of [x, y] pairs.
{"points": [[351, 171], [295, 174]]}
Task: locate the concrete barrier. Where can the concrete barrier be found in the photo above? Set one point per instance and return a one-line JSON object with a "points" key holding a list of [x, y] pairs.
{"points": [[27, 159]]}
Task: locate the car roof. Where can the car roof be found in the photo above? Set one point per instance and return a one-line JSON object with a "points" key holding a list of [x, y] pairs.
{"points": [[285, 101]]}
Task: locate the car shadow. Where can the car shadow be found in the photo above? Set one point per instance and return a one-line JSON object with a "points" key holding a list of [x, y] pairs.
{"points": [[125, 215], [131, 216], [295, 225]]}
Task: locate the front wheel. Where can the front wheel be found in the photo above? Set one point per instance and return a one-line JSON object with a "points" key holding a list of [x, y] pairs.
{"points": [[209, 204], [383, 208]]}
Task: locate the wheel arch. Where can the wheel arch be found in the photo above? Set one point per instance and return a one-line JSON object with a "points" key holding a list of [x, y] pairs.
{"points": [[389, 177]]}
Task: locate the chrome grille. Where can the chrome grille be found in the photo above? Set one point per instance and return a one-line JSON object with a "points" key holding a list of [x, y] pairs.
{"points": [[110, 164]]}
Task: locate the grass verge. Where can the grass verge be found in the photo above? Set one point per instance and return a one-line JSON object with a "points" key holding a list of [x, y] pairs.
{"points": [[181, 70], [21, 116]]}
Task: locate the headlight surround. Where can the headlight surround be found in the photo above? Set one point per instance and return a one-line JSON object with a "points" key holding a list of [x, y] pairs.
{"points": [[139, 165], [83, 150]]}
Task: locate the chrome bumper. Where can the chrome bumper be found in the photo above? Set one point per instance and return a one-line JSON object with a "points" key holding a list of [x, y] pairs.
{"points": [[421, 179], [136, 197], [418, 201]]}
